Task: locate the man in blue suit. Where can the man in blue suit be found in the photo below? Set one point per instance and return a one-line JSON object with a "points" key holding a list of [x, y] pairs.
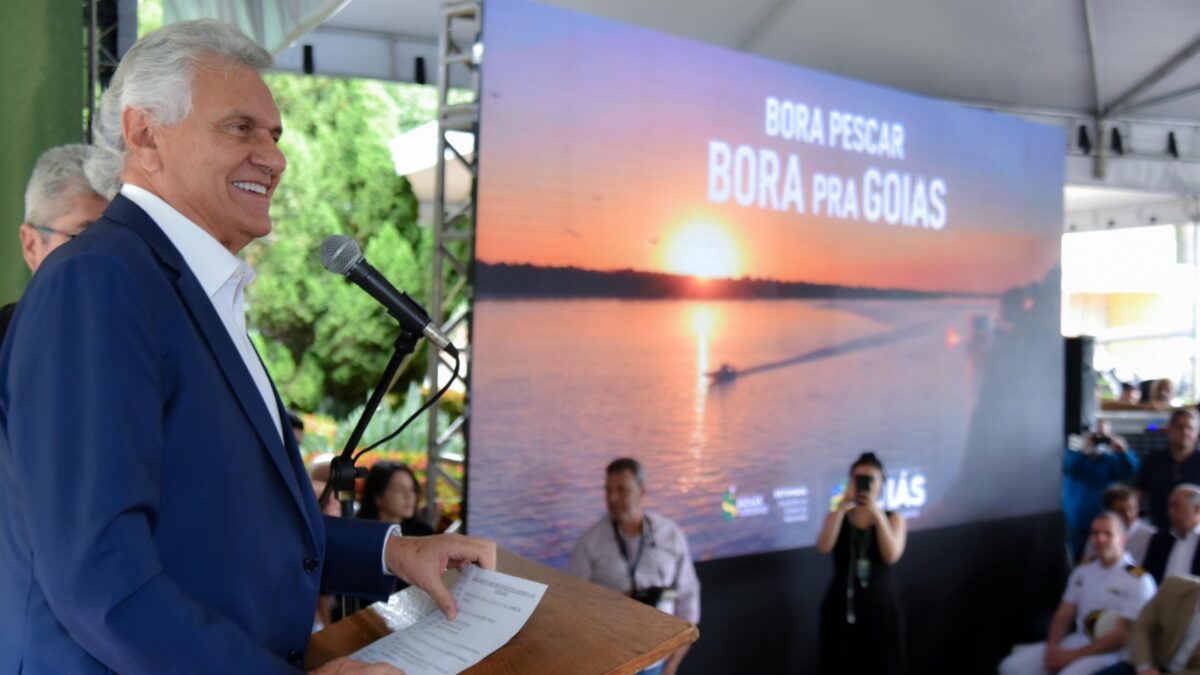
{"points": [[155, 514]]}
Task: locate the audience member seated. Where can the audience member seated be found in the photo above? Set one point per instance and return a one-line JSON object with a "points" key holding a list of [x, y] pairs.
{"points": [[1162, 393], [392, 494], [1102, 599], [1091, 463], [1161, 471], [861, 628], [639, 553], [1123, 501], [1173, 551], [1166, 636], [1130, 393]]}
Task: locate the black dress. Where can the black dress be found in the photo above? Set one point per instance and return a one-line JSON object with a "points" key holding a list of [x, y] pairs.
{"points": [[863, 636]]}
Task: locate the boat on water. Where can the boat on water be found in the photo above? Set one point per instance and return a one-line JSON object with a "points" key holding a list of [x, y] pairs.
{"points": [[723, 374]]}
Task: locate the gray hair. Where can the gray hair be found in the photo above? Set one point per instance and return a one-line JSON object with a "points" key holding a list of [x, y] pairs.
{"points": [[155, 75], [1191, 490], [57, 177]]}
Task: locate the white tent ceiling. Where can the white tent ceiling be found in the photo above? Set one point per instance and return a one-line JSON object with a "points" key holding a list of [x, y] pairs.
{"points": [[1055, 62]]}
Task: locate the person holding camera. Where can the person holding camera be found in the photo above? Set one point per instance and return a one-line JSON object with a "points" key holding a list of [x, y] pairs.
{"points": [[1091, 463], [861, 627], [639, 553]]}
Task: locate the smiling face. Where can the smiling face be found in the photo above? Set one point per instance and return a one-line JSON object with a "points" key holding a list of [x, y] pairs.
{"points": [[220, 165]]}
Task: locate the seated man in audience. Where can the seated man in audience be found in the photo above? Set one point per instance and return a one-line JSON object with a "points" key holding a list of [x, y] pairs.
{"points": [[1166, 636], [1173, 552], [1162, 394], [639, 553], [1091, 463], [1179, 463], [1130, 393], [1109, 583], [1123, 501]]}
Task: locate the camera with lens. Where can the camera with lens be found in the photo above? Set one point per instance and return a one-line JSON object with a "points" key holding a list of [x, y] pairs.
{"points": [[649, 596], [662, 599], [1100, 439]]}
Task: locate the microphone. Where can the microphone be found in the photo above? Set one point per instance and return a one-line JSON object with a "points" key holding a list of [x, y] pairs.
{"points": [[341, 255]]}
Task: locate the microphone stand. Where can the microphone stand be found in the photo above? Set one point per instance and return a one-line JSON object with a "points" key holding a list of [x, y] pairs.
{"points": [[342, 472]]}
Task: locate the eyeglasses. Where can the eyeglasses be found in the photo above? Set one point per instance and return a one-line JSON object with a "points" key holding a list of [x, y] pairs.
{"points": [[51, 230]]}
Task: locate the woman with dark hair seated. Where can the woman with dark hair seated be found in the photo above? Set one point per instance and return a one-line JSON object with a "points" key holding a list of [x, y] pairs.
{"points": [[393, 495], [860, 624]]}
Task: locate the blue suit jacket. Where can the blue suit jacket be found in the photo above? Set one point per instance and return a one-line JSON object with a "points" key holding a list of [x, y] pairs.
{"points": [[151, 519]]}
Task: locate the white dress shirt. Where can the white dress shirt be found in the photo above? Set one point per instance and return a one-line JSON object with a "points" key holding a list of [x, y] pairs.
{"points": [[221, 274], [1140, 534], [665, 561], [1180, 562]]}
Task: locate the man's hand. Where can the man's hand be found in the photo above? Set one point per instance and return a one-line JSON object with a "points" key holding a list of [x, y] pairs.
{"points": [[1149, 671], [1118, 443], [348, 666], [1058, 658], [421, 560]]}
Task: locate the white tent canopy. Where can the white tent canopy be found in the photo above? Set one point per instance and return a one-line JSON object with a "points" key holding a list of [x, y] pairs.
{"points": [[1134, 65]]}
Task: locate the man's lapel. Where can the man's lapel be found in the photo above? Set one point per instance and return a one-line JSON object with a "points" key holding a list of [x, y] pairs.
{"points": [[204, 315]]}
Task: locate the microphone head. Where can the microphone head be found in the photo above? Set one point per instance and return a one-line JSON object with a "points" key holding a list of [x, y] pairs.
{"points": [[339, 253]]}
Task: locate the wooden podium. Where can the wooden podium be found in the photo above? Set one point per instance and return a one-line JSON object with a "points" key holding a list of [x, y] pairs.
{"points": [[578, 627]]}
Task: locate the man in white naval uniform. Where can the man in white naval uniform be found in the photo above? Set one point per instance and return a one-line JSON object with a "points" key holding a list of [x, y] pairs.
{"points": [[1110, 582]]}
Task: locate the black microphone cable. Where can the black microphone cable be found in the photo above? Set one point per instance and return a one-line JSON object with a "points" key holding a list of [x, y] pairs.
{"points": [[404, 425]]}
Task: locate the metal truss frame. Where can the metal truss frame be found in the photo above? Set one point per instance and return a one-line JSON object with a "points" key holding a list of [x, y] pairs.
{"points": [[459, 50], [110, 27]]}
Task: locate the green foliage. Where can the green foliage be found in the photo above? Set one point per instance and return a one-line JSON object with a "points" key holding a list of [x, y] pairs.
{"points": [[149, 16], [326, 342], [387, 419]]}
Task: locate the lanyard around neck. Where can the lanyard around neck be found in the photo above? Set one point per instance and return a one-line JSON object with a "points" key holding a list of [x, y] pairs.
{"points": [[625, 551]]}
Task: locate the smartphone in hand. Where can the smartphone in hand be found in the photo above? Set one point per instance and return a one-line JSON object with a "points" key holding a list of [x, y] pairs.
{"points": [[862, 488]]}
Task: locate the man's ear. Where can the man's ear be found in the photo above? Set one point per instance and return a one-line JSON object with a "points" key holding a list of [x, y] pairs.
{"points": [[137, 126], [31, 243]]}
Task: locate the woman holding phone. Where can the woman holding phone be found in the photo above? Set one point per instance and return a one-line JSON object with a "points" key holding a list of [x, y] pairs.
{"points": [[861, 629]]}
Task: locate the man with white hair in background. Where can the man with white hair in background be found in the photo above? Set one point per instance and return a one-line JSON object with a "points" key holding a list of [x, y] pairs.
{"points": [[154, 512], [1102, 599], [1173, 551], [59, 203]]}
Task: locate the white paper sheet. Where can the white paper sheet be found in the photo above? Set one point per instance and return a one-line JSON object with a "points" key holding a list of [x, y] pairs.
{"points": [[492, 607]]}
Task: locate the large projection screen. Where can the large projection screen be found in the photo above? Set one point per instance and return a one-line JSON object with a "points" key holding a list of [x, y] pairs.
{"points": [[744, 274]]}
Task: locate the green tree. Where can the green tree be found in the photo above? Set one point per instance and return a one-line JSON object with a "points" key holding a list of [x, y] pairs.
{"points": [[326, 342]]}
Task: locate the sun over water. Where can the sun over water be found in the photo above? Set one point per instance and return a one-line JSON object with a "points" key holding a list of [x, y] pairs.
{"points": [[705, 250]]}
